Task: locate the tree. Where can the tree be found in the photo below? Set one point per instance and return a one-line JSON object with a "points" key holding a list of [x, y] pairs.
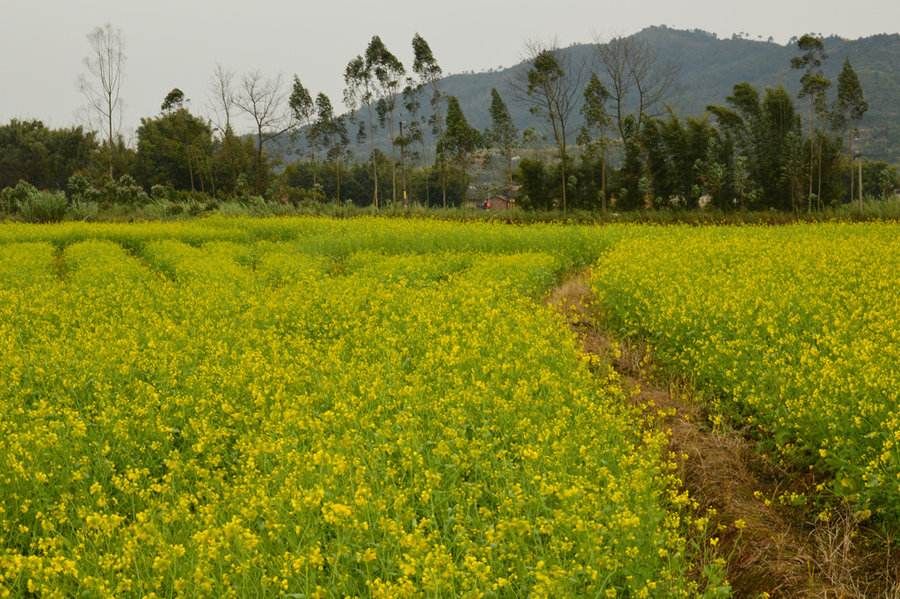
{"points": [[503, 133], [330, 134], [413, 133], [549, 89], [358, 93], [635, 71], [813, 85], [222, 95], [429, 74], [175, 149], [233, 162], [262, 99], [596, 120], [44, 157], [764, 132], [631, 173], [460, 139], [848, 111], [303, 112], [174, 100], [102, 84], [387, 74]]}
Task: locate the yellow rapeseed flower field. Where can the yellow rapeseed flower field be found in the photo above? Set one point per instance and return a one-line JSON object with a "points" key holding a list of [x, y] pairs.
{"points": [[316, 408], [792, 331]]}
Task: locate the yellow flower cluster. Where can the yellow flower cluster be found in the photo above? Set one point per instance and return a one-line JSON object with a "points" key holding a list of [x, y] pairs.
{"points": [[313, 408], [795, 331]]}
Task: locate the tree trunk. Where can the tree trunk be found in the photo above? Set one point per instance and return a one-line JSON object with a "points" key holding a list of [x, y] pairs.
{"points": [[819, 177], [603, 180], [212, 178], [259, 149], [852, 166], [375, 176], [444, 184], [191, 171], [110, 137], [811, 153], [315, 170], [337, 176], [394, 182], [861, 199], [403, 182], [562, 171]]}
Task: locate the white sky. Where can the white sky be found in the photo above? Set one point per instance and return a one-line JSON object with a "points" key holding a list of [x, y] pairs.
{"points": [[176, 43]]}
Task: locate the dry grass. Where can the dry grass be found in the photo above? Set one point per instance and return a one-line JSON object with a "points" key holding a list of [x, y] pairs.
{"points": [[776, 550]]}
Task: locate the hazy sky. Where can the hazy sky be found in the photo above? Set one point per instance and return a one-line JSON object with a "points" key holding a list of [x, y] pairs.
{"points": [[173, 43]]}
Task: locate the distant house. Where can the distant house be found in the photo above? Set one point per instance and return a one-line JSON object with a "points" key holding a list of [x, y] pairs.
{"points": [[498, 203]]}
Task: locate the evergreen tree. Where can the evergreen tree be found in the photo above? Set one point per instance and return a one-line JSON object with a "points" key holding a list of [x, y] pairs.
{"points": [[460, 139], [549, 89], [429, 74], [848, 111], [387, 75], [596, 121], [503, 133], [330, 135], [813, 85], [303, 111], [763, 132], [175, 149], [359, 93], [632, 171]]}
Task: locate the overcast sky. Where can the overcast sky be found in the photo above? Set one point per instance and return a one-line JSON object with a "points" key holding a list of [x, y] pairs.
{"points": [[176, 43]]}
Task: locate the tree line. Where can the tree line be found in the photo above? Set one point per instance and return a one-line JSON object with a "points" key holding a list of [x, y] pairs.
{"points": [[616, 144]]}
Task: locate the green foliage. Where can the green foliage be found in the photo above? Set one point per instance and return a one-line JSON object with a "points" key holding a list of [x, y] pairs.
{"points": [[459, 139], [533, 178], [502, 133], [174, 100], [43, 206], [596, 118], [234, 165], [13, 197], [176, 149], [765, 135], [45, 157], [880, 180], [851, 104], [424, 63], [125, 191]]}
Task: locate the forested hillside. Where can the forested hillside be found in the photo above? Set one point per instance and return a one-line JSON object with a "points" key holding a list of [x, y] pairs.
{"points": [[707, 69]]}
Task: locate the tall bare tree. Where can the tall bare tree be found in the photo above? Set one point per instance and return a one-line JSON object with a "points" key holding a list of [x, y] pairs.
{"points": [[813, 86], [639, 79], [263, 100], [303, 111], [549, 88], [222, 94], [848, 111], [359, 93], [102, 84], [596, 121], [387, 78], [429, 74]]}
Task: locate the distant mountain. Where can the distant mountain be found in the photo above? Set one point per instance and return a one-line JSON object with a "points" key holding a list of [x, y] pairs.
{"points": [[708, 69]]}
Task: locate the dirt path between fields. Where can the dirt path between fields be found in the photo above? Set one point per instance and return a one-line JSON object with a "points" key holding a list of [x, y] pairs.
{"points": [[768, 548]]}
